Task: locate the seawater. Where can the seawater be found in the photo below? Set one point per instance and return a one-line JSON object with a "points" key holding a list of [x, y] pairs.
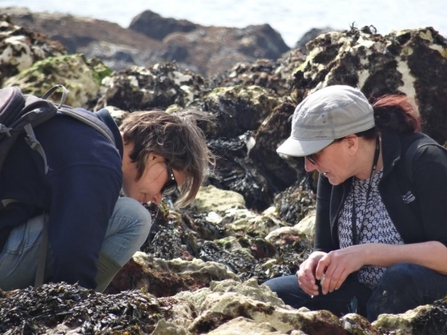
{"points": [[291, 18]]}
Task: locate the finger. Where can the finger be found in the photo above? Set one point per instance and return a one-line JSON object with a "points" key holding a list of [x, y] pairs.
{"points": [[322, 266], [306, 284]]}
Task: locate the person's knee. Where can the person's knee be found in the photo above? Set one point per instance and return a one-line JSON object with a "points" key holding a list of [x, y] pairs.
{"points": [[137, 214], [393, 289]]}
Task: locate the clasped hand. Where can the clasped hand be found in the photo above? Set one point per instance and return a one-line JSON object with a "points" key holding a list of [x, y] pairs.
{"points": [[331, 269]]}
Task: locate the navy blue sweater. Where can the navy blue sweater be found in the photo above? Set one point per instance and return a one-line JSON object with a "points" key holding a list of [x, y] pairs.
{"points": [[78, 193]]}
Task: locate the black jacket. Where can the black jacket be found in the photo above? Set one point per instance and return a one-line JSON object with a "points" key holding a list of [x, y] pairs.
{"points": [[418, 209]]}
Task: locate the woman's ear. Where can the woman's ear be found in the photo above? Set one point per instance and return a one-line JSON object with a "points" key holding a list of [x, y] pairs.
{"points": [[352, 142]]}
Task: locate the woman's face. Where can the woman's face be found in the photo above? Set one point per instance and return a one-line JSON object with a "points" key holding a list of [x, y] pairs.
{"points": [[335, 161], [155, 176]]}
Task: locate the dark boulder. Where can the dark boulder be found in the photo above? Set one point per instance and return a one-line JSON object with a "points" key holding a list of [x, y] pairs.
{"points": [[157, 27]]}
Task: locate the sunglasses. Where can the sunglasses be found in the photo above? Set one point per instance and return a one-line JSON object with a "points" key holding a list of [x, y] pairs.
{"points": [[170, 187], [313, 157]]}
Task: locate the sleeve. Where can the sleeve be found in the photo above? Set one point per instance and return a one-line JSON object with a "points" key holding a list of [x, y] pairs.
{"points": [[323, 239], [430, 187], [83, 199]]}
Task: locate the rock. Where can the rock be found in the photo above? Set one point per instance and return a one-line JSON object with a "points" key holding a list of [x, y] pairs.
{"points": [[279, 173], [273, 75], [216, 49], [402, 61], [401, 324], [311, 35], [20, 48], [75, 32], [211, 199], [80, 76], [158, 86], [193, 47], [157, 27], [166, 278]]}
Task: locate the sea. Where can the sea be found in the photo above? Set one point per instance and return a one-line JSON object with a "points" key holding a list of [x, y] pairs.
{"points": [[291, 18]]}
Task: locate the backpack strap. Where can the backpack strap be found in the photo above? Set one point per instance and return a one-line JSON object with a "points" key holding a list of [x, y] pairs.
{"points": [[88, 119], [411, 152]]}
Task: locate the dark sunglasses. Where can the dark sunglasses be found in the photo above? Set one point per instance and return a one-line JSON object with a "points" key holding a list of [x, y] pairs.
{"points": [[313, 157], [170, 187]]}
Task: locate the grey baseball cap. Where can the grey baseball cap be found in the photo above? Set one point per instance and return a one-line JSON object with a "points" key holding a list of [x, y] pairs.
{"points": [[326, 115]]}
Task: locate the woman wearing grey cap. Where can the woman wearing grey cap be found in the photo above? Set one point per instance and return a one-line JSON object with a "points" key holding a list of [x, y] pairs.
{"points": [[381, 230]]}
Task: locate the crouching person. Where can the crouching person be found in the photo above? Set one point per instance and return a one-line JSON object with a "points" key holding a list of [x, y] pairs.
{"points": [[92, 232]]}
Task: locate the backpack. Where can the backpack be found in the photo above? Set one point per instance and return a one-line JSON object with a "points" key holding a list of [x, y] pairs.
{"points": [[19, 113]]}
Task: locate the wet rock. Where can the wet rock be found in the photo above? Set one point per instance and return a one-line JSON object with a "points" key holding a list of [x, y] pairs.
{"points": [[20, 48], [157, 27], [158, 86], [80, 76]]}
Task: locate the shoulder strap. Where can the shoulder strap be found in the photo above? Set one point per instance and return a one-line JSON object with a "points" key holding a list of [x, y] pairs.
{"points": [[88, 119], [411, 152]]}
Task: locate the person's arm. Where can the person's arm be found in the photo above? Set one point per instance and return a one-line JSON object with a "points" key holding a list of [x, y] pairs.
{"points": [[323, 240], [83, 199], [335, 266]]}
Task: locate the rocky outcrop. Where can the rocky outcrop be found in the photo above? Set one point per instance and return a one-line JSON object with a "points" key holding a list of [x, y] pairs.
{"points": [[204, 50], [157, 27]]}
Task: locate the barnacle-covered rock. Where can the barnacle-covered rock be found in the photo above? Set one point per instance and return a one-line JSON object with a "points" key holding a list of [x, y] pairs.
{"points": [[237, 109], [413, 62], [158, 86], [20, 48], [80, 76], [273, 75]]}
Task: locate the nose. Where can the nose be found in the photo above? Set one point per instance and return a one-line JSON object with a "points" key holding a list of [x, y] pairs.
{"points": [[308, 166], [157, 198]]}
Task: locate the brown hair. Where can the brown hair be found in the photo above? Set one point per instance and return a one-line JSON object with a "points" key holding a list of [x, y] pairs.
{"points": [[175, 137], [395, 112]]}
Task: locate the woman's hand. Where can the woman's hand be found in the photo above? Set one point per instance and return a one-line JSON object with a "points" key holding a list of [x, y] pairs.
{"points": [[333, 268], [306, 273]]}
